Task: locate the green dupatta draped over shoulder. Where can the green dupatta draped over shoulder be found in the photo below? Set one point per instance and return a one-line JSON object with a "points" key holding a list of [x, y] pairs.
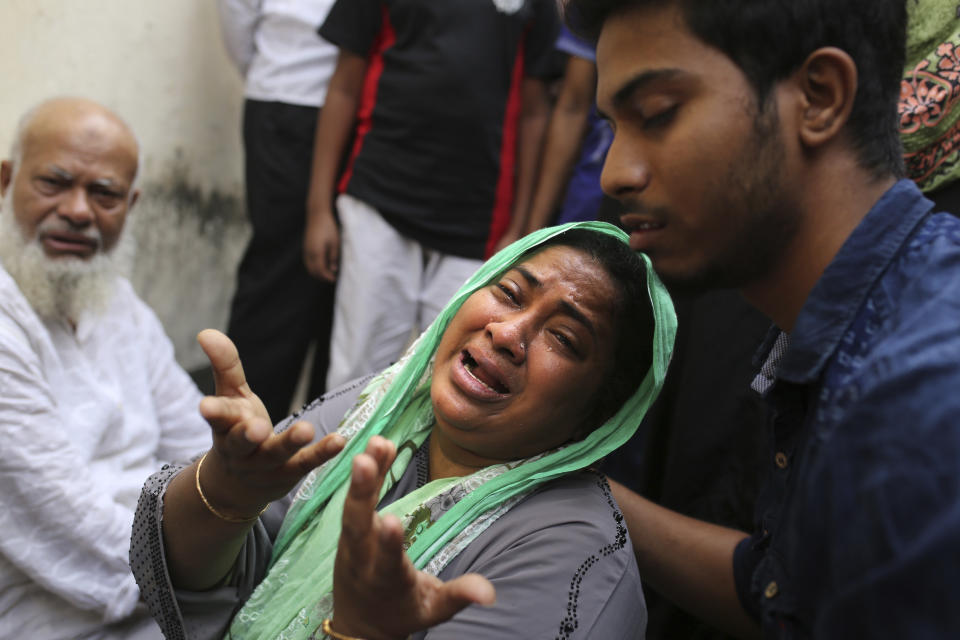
{"points": [[296, 595]]}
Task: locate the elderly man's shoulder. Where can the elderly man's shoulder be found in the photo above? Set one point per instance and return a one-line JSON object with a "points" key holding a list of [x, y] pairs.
{"points": [[126, 305], [123, 303], [12, 301], [19, 324], [126, 321]]}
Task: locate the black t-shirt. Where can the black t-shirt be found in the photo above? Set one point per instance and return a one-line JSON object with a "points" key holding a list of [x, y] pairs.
{"points": [[437, 124]]}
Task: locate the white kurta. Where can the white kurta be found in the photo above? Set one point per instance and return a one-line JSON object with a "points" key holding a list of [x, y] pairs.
{"points": [[85, 417]]}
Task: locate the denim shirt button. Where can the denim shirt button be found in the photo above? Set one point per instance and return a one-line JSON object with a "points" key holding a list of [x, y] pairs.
{"points": [[781, 460], [772, 590]]}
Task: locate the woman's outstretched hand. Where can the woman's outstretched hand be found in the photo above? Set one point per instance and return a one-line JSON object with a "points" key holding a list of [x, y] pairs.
{"points": [[249, 465], [377, 592]]}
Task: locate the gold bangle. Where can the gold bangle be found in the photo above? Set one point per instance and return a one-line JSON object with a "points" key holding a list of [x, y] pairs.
{"points": [[222, 516], [327, 629]]}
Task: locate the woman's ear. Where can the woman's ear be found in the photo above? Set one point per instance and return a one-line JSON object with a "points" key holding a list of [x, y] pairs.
{"points": [[828, 83]]}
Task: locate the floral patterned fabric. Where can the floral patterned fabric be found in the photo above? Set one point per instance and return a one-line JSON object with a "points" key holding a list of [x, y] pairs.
{"points": [[929, 122]]}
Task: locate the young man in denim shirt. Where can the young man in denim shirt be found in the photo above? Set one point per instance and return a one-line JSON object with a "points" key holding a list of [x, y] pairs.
{"points": [[756, 148]]}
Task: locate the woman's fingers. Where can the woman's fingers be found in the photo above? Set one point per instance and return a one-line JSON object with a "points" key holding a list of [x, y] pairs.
{"points": [[222, 414], [244, 438], [294, 449], [358, 508], [428, 599], [393, 565], [363, 531], [373, 572], [367, 474], [247, 473], [255, 446], [224, 360], [471, 588], [228, 376], [310, 457], [248, 440], [383, 453]]}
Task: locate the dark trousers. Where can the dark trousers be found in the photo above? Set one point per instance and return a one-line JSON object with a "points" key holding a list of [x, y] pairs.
{"points": [[278, 309]]}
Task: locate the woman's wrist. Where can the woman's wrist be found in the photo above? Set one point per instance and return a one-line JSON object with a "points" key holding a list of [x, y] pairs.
{"points": [[223, 509], [328, 629], [337, 631]]}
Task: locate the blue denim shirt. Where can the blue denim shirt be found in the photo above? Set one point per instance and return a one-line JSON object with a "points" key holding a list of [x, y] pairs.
{"points": [[858, 525]]}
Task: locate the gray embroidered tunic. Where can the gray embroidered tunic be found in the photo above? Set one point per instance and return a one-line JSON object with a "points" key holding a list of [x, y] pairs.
{"points": [[561, 560]]}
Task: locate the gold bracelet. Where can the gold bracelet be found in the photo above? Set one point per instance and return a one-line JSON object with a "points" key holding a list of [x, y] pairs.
{"points": [[210, 508], [327, 629]]}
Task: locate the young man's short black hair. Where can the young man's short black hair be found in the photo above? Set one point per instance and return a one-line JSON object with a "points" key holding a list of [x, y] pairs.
{"points": [[770, 39]]}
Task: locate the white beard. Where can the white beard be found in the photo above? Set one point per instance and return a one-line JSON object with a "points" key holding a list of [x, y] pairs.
{"points": [[65, 287]]}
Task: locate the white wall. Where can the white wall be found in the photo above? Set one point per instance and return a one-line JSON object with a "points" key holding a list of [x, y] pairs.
{"points": [[161, 66]]}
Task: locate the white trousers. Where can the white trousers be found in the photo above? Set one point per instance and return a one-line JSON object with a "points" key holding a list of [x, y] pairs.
{"points": [[389, 289]]}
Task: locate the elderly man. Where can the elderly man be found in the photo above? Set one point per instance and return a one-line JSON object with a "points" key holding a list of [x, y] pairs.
{"points": [[92, 400]]}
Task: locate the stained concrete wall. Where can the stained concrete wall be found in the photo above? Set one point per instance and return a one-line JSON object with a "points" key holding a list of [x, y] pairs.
{"points": [[161, 66]]}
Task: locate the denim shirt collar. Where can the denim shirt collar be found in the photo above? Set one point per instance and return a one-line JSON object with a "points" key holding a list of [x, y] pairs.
{"points": [[839, 294]]}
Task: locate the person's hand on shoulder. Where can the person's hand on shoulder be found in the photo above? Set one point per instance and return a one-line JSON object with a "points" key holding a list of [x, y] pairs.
{"points": [[377, 592]]}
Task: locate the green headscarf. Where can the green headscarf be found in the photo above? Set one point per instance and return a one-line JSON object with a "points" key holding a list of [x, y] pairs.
{"points": [[296, 595]]}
